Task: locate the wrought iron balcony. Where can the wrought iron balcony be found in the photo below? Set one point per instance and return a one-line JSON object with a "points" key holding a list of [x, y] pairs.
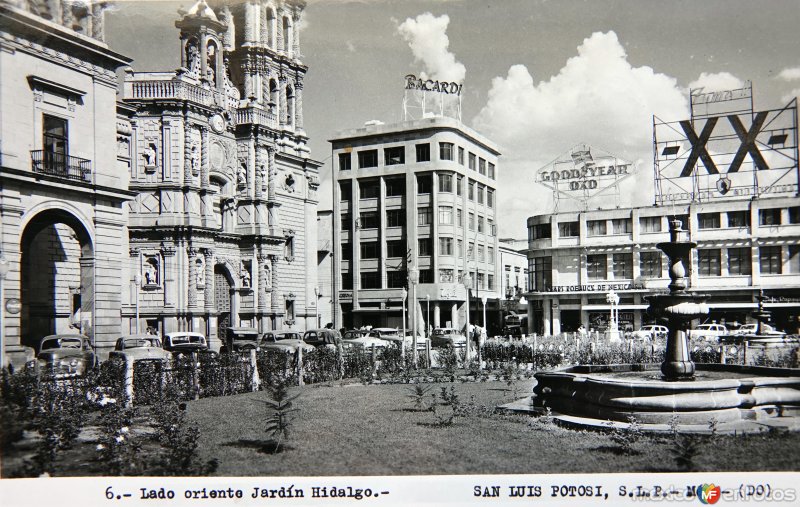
{"points": [[61, 165]]}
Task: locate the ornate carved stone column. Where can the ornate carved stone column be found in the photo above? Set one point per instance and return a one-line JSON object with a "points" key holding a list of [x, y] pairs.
{"points": [[261, 174], [276, 304], [249, 22], [298, 103], [296, 35], [208, 254], [282, 104], [264, 281], [192, 296], [279, 29], [204, 168], [168, 253], [187, 151], [272, 172]]}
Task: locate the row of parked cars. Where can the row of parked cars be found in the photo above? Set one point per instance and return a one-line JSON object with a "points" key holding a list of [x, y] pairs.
{"points": [[706, 331]]}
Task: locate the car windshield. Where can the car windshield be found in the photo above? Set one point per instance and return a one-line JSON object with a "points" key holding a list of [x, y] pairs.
{"points": [[61, 343], [131, 343]]}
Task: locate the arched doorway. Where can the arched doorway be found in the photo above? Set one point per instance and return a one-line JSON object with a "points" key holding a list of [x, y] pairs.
{"points": [[57, 277], [223, 295]]}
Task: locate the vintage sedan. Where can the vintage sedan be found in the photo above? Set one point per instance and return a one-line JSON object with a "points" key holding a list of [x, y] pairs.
{"points": [[750, 329], [139, 347], [447, 337], [650, 332], [327, 338], [708, 331], [185, 342], [361, 339], [66, 355], [284, 341]]}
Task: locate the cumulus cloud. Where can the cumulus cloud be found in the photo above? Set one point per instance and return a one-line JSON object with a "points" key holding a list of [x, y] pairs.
{"points": [[790, 74], [598, 98], [426, 35], [716, 82]]}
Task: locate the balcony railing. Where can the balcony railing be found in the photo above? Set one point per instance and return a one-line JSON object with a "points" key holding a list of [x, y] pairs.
{"points": [[61, 165], [173, 90]]}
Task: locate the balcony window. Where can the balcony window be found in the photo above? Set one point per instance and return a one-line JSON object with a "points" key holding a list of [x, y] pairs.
{"points": [[708, 262], [739, 218], [596, 227], [423, 152], [650, 224], [367, 159], [770, 261], [445, 151], [708, 221], [54, 159], [568, 229], [739, 261], [596, 267], [650, 264], [395, 155]]}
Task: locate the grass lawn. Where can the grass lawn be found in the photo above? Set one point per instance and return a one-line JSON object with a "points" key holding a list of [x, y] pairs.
{"points": [[372, 430]]}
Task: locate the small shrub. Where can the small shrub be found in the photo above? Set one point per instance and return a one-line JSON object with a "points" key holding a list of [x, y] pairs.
{"points": [[448, 361], [626, 437], [685, 449], [450, 407], [279, 413], [418, 393]]}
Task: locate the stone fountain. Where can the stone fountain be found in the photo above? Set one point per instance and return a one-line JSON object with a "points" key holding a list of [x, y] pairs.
{"points": [[739, 398]]}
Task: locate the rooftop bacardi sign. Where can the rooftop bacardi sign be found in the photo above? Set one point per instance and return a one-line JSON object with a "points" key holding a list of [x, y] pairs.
{"points": [[429, 85]]}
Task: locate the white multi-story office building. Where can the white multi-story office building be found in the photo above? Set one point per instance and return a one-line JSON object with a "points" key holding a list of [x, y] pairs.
{"points": [[744, 246], [419, 193]]}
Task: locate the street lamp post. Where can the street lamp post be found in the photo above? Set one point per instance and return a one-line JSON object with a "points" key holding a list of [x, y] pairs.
{"points": [[403, 340], [316, 306], [428, 317], [467, 281], [137, 282], [483, 300], [3, 273], [413, 278]]}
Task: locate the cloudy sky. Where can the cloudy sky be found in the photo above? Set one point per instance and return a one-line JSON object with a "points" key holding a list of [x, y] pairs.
{"points": [[540, 76]]}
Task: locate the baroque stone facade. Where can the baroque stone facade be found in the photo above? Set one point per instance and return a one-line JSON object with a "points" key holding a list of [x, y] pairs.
{"points": [[223, 225]]}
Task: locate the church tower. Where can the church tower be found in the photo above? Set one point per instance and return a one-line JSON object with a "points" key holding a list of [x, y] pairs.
{"points": [[223, 229]]}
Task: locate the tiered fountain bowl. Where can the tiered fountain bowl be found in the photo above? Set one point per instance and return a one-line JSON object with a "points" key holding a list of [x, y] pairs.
{"points": [[731, 398]]}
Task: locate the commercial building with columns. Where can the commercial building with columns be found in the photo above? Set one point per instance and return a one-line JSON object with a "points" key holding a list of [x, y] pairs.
{"points": [[418, 193], [745, 246], [223, 225]]}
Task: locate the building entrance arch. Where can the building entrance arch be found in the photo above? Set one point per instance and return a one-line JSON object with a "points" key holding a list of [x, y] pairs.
{"points": [[223, 299], [56, 277]]}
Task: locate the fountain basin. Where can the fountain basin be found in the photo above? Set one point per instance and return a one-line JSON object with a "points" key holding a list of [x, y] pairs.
{"points": [[726, 393]]}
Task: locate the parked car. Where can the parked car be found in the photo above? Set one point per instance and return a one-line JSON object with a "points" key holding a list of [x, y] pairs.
{"points": [[766, 329], [650, 332], [240, 339], [706, 331], [328, 338], [284, 341], [66, 355], [386, 333], [357, 338], [185, 342], [138, 347], [447, 337]]}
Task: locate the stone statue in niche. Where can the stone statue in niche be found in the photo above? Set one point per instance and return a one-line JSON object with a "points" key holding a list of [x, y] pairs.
{"points": [[268, 274], [200, 271], [192, 58], [244, 273], [262, 172], [289, 183], [150, 157], [241, 175], [211, 64], [195, 159], [150, 269]]}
